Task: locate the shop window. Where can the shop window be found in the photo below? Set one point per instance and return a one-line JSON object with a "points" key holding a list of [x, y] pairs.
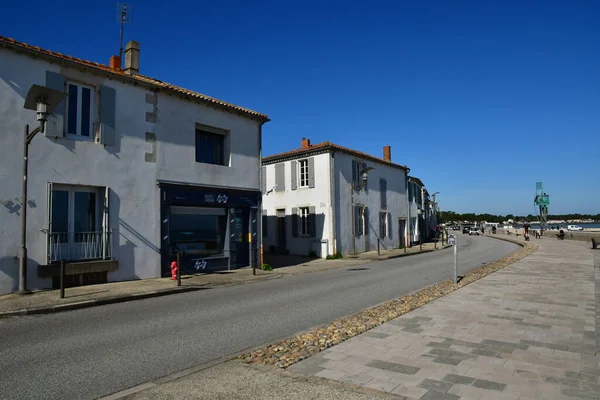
{"points": [[198, 230]]}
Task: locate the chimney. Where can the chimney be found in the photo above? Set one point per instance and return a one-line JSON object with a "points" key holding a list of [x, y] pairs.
{"points": [[132, 58], [305, 143], [387, 153], [115, 62]]}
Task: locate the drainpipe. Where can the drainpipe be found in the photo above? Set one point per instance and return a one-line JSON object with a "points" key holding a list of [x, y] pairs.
{"points": [[259, 239], [408, 221], [332, 205]]}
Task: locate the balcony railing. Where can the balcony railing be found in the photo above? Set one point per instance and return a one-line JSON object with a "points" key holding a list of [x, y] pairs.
{"points": [[72, 246]]}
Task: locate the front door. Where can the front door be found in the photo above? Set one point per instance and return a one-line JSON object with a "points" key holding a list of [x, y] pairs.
{"points": [[402, 232], [281, 230], [240, 243]]}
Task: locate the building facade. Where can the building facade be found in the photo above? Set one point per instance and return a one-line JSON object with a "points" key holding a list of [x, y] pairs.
{"points": [[324, 199], [129, 171]]}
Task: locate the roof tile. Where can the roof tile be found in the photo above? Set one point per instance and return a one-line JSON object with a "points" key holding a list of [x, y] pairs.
{"points": [[12, 43]]}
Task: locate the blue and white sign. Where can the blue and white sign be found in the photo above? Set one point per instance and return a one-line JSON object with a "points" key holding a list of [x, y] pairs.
{"points": [[452, 240]]}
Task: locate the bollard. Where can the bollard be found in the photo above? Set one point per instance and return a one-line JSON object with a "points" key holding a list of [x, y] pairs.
{"points": [[178, 271], [62, 278]]}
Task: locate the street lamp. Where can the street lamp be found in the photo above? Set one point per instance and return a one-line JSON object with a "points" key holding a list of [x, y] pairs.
{"points": [[44, 101]]}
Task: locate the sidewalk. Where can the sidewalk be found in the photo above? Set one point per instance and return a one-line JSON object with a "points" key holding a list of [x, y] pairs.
{"points": [[49, 301], [528, 331]]}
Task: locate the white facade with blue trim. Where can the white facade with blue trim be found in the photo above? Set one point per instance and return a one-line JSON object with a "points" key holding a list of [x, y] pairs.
{"points": [[324, 199], [127, 172]]}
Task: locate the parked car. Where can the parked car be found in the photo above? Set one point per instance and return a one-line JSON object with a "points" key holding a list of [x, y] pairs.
{"points": [[574, 228], [456, 228], [474, 231], [466, 229]]}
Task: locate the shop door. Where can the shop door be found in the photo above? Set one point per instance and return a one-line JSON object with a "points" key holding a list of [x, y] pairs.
{"points": [[401, 233], [240, 240]]}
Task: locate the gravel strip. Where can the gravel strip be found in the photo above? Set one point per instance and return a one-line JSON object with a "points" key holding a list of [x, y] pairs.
{"points": [[291, 350]]}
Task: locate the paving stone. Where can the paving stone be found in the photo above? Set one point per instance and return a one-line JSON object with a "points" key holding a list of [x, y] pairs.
{"points": [[499, 343], [447, 360], [376, 335], [435, 395], [486, 353], [452, 354], [458, 379], [439, 345], [490, 385], [431, 384]]}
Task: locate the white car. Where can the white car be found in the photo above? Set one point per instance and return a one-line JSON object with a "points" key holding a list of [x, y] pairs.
{"points": [[574, 228], [474, 231]]}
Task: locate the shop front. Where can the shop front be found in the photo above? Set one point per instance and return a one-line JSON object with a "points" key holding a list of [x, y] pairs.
{"points": [[212, 229]]}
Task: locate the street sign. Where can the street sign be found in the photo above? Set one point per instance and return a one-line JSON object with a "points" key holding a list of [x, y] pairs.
{"points": [[452, 240]]}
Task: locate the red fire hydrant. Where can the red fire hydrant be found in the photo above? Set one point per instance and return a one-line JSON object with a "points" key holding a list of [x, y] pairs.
{"points": [[174, 270]]}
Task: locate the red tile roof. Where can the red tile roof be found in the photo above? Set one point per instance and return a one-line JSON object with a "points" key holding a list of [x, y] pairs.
{"points": [[330, 146], [61, 58]]}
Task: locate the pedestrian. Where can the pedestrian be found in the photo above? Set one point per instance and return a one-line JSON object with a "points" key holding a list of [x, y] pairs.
{"points": [[526, 229]]}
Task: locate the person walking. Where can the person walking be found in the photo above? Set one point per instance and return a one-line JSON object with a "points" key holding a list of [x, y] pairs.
{"points": [[526, 230]]}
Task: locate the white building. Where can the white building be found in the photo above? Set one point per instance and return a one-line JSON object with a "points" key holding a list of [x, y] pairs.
{"points": [[325, 199], [128, 170]]}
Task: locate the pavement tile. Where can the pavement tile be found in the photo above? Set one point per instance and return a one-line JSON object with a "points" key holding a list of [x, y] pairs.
{"points": [[381, 384], [435, 395], [409, 391], [460, 379], [438, 386]]}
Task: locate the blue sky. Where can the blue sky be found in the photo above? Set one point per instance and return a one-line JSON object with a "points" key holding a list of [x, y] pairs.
{"points": [[480, 99]]}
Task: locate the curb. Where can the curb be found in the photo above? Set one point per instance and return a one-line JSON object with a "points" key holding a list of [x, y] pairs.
{"points": [[117, 299], [403, 254]]}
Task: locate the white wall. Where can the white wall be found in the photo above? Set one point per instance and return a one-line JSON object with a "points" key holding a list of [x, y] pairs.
{"points": [[318, 197], [396, 203], [134, 202]]}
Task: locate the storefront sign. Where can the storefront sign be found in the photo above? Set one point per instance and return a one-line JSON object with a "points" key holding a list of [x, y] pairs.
{"points": [[201, 196]]}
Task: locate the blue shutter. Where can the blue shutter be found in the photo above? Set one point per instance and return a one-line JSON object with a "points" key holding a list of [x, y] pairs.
{"points": [[383, 192], [263, 179], [354, 174], [108, 98], [294, 168], [55, 126], [280, 177], [367, 227], [311, 172]]}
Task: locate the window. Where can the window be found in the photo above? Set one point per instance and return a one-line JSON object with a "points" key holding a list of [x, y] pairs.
{"points": [[76, 222], [358, 166], [303, 173], [210, 147], [383, 224], [304, 221], [80, 110], [359, 220], [198, 230]]}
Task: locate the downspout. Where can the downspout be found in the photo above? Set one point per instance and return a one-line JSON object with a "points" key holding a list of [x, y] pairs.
{"points": [[407, 210], [260, 210], [332, 205]]}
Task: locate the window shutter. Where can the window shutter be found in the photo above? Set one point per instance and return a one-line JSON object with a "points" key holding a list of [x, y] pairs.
{"points": [[383, 192], [354, 173], [311, 172], [381, 227], [108, 98], [280, 177], [389, 226], [312, 221], [106, 237], [294, 222], [263, 180], [364, 165], [265, 224], [294, 168], [366, 222], [356, 216], [55, 126]]}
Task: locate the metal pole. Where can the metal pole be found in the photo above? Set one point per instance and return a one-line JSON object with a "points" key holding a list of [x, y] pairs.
{"points": [[254, 261], [178, 270], [456, 260], [62, 278], [378, 250], [23, 259]]}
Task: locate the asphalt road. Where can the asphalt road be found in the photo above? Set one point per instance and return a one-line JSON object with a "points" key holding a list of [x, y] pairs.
{"points": [[89, 353]]}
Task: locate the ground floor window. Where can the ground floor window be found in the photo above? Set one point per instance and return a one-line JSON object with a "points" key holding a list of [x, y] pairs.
{"points": [[198, 230], [78, 222], [359, 220], [304, 221], [384, 220]]}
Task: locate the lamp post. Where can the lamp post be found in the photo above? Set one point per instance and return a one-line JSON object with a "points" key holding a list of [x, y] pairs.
{"points": [[44, 101], [435, 213]]}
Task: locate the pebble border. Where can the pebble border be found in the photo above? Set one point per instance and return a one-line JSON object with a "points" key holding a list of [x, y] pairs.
{"points": [[287, 352]]}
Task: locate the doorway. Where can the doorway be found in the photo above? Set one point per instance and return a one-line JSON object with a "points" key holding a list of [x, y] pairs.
{"points": [[402, 232], [281, 231]]}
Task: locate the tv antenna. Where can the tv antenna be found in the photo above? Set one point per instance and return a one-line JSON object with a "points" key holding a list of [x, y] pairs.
{"points": [[124, 16]]}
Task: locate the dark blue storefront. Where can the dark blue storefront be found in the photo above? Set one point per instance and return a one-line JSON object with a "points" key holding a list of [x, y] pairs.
{"points": [[212, 229]]}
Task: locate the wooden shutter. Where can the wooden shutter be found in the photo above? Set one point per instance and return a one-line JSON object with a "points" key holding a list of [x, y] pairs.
{"points": [[55, 126], [389, 225], [354, 173], [106, 236], [312, 221], [108, 98], [383, 192], [294, 222], [280, 177], [294, 168], [311, 172], [367, 226], [265, 224], [356, 215], [263, 180]]}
